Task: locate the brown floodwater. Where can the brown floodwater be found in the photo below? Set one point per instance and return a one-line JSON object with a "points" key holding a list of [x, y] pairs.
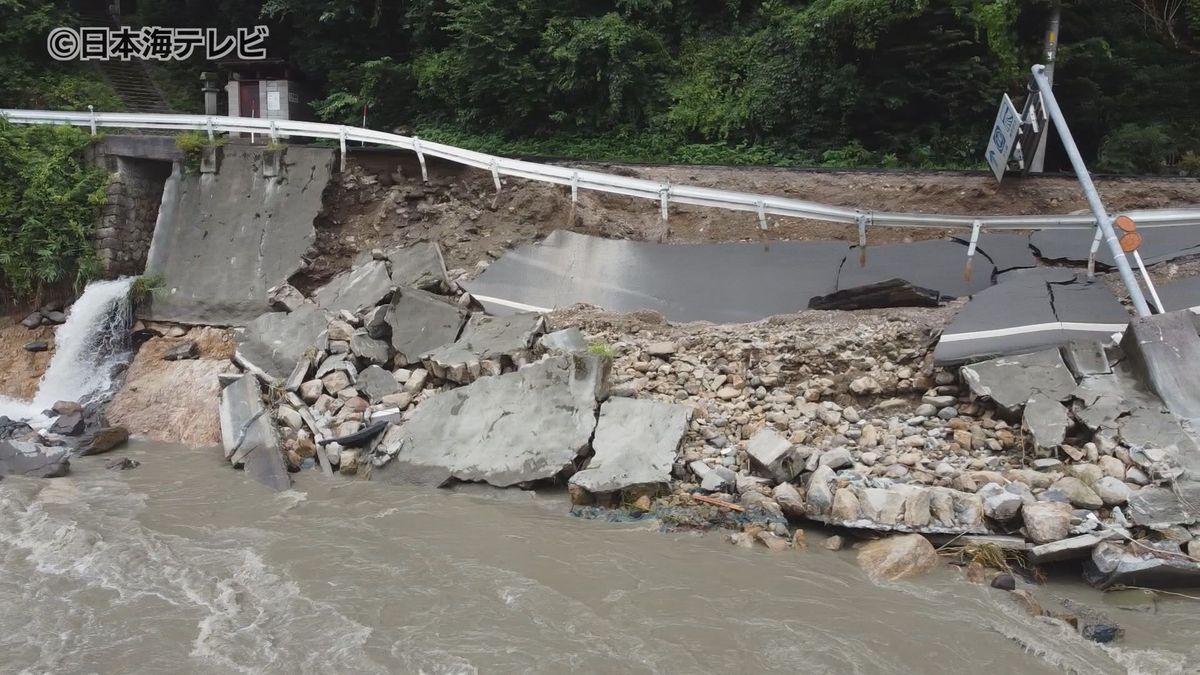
{"points": [[186, 566]]}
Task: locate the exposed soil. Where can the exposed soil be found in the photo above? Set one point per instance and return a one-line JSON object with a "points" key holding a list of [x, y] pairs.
{"points": [[21, 371], [380, 202]]}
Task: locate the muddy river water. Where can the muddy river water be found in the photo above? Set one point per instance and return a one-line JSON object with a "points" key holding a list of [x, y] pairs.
{"points": [[185, 566]]}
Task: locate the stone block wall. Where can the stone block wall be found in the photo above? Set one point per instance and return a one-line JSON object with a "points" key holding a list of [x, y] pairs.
{"points": [[127, 220]]}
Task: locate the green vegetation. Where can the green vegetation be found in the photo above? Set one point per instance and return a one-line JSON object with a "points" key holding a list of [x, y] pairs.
{"points": [[144, 287], [600, 349], [49, 200], [193, 144]]}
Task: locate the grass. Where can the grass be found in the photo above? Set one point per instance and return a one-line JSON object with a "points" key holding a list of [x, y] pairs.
{"points": [[600, 349], [144, 287]]}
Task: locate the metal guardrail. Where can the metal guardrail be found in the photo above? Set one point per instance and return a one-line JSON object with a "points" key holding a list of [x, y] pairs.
{"points": [[663, 193]]}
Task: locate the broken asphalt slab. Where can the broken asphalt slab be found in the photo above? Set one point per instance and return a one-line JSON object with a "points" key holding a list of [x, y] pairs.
{"points": [[934, 265], [420, 265], [1159, 244], [635, 445], [422, 322], [1010, 381], [505, 430], [360, 287], [1030, 309], [485, 344], [223, 240], [1164, 350]]}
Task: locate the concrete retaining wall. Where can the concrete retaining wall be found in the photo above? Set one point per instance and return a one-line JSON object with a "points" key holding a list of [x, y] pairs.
{"points": [[224, 238]]}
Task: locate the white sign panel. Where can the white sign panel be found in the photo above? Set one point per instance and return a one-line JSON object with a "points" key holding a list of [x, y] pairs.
{"points": [[272, 100], [1004, 134]]}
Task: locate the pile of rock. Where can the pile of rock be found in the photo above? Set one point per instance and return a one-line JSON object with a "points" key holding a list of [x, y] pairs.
{"points": [[75, 430]]}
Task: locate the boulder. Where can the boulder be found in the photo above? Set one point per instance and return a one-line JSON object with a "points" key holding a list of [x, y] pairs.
{"points": [[1066, 549], [66, 408], [1046, 522], [249, 437], [14, 429], [661, 349], [37, 346], [275, 341], [1078, 493], [25, 458], [1111, 564], [1112, 491], [773, 456], [375, 383], [819, 493], [418, 266], [524, 426], [846, 506], [32, 321], [635, 445], [837, 458], [102, 440], [789, 500], [898, 557], [362, 287], [486, 344], [421, 322], [70, 424], [182, 352], [998, 503]]}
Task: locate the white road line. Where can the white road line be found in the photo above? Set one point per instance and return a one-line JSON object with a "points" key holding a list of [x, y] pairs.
{"points": [[1035, 328], [511, 304]]}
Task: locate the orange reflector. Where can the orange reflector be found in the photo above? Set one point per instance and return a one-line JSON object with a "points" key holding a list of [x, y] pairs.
{"points": [[1127, 234]]}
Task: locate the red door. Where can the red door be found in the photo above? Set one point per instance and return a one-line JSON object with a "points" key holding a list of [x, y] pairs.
{"points": [[248, 99]]}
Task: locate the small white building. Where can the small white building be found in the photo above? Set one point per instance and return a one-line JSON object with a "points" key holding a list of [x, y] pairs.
{"points": [[268, 89]]}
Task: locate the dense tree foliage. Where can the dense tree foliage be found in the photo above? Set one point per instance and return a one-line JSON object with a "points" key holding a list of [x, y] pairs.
{"points": [[49, 200], [897, 82]]}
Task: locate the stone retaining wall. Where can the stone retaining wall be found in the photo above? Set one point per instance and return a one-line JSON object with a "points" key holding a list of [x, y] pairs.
{"points": [[127, 220]]}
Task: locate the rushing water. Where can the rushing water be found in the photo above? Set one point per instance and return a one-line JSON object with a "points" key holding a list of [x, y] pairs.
{"points": [[184, 565], [88, 349]]}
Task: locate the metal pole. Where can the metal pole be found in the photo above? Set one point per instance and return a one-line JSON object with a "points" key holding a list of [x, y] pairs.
{"points": [[1038, 163], [1089, 191]]}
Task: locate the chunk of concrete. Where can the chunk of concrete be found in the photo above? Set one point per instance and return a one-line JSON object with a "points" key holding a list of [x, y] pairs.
{"points": [[1160, 508], [772, 456], [249, 437], [375, 383], [635, 445], [1066, 549], [506, 430], [368, 348], [487, 342], [418, 266], [1164, 349], [421, 322], [1010, 381], [1047, 421], [357, 289], [1111, 564], [276, 341], [32, 460], [223, 240], [565, 341], [284, 298], [1086, 357]]}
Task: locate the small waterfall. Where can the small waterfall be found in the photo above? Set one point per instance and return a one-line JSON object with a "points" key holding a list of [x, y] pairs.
{"points": [[89, 348]]}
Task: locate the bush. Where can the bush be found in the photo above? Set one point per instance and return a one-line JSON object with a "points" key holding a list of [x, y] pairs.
{"points": [[1139, 149], [49, 200]]}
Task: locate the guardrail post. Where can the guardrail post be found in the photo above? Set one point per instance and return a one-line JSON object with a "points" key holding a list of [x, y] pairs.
{"points": [[762, 215], [495, 179], [92, 115], [664, 196], [1089, 190], [342, 143], [1092, 253], [274, 132], [864, 221], [211, 131], [421, 159], [975, 227]]}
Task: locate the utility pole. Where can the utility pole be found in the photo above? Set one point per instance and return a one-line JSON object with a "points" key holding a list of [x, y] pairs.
{"points": [[1037, 164]]}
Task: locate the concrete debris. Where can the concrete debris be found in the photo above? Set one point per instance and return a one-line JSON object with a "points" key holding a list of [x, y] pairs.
{"points": [[888, 293], [1164, 350], [418, 266], [1010, 381], [1160, 507], [510, 429], [421, 322], [248, 436], [1114, 564], [1047, 421], [32, 460], [368, 348], [183, 351], [274, 342], [1066, 549], [772, 456], [360, 288], [376, 383], [285, 298], [565, 341], [635, 446], [487, 345]]}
